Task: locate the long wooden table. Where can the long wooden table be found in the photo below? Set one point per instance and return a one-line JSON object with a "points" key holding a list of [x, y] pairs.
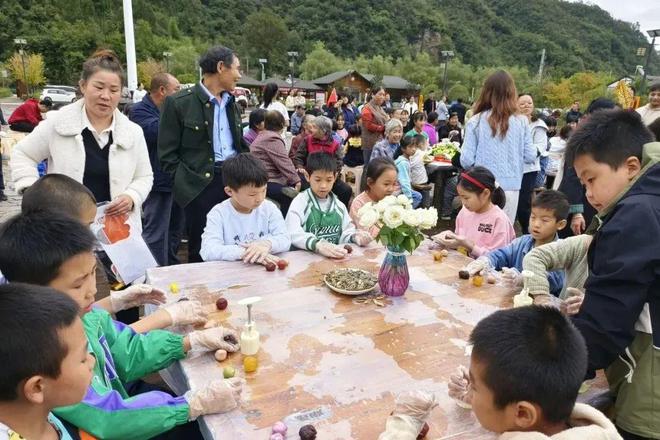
{"points": [[329, 360]]}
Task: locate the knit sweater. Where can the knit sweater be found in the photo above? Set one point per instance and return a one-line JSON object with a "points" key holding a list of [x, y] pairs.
{"points": [[504, 157], [269, 148], [358, 203], [569, 255]]}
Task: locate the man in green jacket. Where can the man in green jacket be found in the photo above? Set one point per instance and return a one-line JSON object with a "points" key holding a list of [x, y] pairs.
{"points": [[200, 128]]}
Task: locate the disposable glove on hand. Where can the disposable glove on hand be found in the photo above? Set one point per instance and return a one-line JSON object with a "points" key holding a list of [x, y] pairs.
{"points": [[481, 264], [459, 387], [512, 277], [186, 313], [212, 339], [409, 415], [217, 397], [571, 305], [362, 238], [330, 250], [135, 296]]}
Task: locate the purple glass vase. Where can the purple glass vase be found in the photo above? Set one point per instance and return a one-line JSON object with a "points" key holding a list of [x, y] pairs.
{"points": [[393, 277]]}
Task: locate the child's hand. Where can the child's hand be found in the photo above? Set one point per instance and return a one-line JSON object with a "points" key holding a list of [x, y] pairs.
{"points": [[216, 397], [478, 265], [362, 238], [134, 296], [459, 387], [214, 339], [417, 404], [511, 277], [447, 238], [186, 313], [256, 251], [571, 305], [330, 250]]}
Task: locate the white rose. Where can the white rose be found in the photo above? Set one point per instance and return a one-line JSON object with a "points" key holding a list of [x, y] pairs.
{"points": [[368, 217], [385, 203], [429, 218], [404, 201], [393, 216], [366, 207], [412, 217]]}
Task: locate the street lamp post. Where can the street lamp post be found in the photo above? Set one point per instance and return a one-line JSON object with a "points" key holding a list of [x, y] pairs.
{"points": [[167, 56], [263, 62], [292, 65], [446, 56], [653, 34], [21, 43]]}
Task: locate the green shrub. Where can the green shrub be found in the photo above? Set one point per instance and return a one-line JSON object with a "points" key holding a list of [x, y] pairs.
{"points": [[5, 92]]}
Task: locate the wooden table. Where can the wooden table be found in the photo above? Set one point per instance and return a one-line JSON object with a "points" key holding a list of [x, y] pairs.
{"points": [[330, 361]]}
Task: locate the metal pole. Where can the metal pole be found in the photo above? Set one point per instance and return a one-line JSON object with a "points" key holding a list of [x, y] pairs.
{"points": [[646, 66], [27, 86], [131, 65], [444, 82]]}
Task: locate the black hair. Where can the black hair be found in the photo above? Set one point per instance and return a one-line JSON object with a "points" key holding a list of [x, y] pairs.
{"points": [[654, 127], [418, 116], [565, 131], [340, 115], [485, 178], [47, 102], [432, 117], [654, 87], [452, 115], [269, 93], [377, 167], [57, 192], [209, 61], [34, 245], [531, 354], [274, 121], [257, 116], [460, 100], [354, 130], [31, 317], [550, 121], [609, 136], [321, 162], [600, 104], [243, 170], [406, 141], [335, 125], [554, 201]]}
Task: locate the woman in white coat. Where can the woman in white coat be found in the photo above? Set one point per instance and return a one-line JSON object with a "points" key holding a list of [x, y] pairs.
{"points": [[92, 142]]}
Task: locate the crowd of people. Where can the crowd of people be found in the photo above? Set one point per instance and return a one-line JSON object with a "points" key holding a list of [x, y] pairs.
{"points": [[182, 163]]}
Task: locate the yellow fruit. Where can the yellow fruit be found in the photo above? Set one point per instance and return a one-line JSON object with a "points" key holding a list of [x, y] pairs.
{"points": [[174, 288], [437, 256], [477, 280], [250, 364], [462, 250]]}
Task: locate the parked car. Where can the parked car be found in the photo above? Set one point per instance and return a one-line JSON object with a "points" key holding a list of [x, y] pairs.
{"points": [[58, 95]]}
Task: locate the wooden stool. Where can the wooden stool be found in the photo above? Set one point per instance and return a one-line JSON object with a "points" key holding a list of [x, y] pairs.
{"points": [[352, 176]]}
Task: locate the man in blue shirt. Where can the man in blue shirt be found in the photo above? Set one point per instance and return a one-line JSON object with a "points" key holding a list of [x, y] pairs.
{"points": [[200, 129]]}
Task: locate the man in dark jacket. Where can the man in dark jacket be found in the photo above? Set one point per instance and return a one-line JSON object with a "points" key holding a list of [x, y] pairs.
{"points": [[200, 129], [161, 232], [460, 109], [429, 103]]}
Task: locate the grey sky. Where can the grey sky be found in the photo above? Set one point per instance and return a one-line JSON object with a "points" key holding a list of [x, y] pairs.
{"points": [[646, 12]]}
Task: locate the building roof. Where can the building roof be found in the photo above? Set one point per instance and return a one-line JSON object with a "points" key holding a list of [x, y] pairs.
{"points": [[334, 76], [389, 81], [298, 84], [247, 81]]}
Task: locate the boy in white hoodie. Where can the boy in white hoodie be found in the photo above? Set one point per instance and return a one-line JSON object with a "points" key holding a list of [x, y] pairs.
{"points": [[526, 368]]}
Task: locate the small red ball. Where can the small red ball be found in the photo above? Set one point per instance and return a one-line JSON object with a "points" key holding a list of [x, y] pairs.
{"points": [[221, 303], [270, 267], [282, 264], [423, 432], [348, 248]]}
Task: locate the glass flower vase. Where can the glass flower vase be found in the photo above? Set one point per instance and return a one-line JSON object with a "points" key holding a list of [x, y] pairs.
{"points": [[393, 277]]}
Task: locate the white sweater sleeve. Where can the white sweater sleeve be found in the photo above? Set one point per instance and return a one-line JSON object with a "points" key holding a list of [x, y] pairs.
{"points": [[295, 221], [28, 153], [215, 246], [278, 234]]}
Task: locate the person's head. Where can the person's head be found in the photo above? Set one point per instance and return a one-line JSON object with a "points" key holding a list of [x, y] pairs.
{"points": [[381, 178], [551, 123], [308, 124], [245, 181], [556, 114], [453, 120], [597, 105], [322, 169], [407, 147], [575, 106], [341, 122], [432, 118], [396, 113], [257, 119], [49, 248], [393, 131], [477, 189], [421, 142], [387, 96], [500, 96], [354, 130], [654, 95], [140, 86], [654, 127], [344, 100], [565, 131], [45, 104], [404, 117], [57, 192], [526, 368], [44, 359], [379, 95], [548, 216], [221, 65], [270, 93], [101, 83], [431, 95], [418, 119], [525, 104], [163, 85], [300, 110], [411, 98], [321, 127], [274, 121], [606, 152]]}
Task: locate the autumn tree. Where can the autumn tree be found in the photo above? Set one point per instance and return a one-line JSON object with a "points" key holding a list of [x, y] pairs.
{"points": [[28, 69]]}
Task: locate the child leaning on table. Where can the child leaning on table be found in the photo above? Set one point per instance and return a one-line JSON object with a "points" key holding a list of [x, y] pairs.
{"points": [[381, 182], [317, 220], [60, 193], [481, 225], [526, 368], [44, 362], [548, 216], [53, 250], [402, 157], [246, 226]]}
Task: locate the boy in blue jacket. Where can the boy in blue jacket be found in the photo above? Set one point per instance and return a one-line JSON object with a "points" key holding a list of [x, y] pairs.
{"points": [[615, 158], [549, 212]]}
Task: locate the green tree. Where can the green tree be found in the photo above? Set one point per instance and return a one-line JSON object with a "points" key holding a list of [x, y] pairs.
{"points": [[319, 62], [267, 36]]}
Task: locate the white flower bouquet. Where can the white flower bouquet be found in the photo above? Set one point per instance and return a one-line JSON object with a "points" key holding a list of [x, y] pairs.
{"points": [[399, 223]]}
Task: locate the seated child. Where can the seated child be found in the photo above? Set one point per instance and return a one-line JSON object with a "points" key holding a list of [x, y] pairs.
{"points": [[246, 226], [49, 249], [60, 193], [418, 121], [353, 156], [481, 225], [44, 362], [418, 175], [381, 182], [402, 157], [614, 156], [549, 213], [526, 368], [317, 220]]}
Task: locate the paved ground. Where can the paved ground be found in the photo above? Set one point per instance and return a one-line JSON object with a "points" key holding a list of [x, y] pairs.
{"points": [[13, 205]]}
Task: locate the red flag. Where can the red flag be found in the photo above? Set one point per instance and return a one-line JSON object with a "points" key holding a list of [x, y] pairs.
{"points": [[333, 97]]}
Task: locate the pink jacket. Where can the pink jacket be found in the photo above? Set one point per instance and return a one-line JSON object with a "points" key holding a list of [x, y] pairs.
{"points": [[270, 149], [358, 203], [489, 230]]}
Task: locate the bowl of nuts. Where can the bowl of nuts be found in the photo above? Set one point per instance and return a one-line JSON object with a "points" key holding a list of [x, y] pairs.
{"points": [[351, 281]]}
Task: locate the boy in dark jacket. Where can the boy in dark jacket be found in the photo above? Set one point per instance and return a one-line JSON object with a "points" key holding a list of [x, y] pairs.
{"points": [[615, 159]]}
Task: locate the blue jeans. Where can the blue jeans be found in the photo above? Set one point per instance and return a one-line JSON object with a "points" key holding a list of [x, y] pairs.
{"points": [[162, 226], [416, 198]]}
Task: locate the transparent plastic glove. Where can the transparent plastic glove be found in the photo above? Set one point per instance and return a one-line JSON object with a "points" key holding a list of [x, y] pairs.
{"points": [[330, 250], [459, 387], [217, 397], [448, 239], [512, 277], [186, 312], [571, 305], [481, 264], [212, 339], [256, 251], [135, 296], [409, 415], [362, 238]]}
